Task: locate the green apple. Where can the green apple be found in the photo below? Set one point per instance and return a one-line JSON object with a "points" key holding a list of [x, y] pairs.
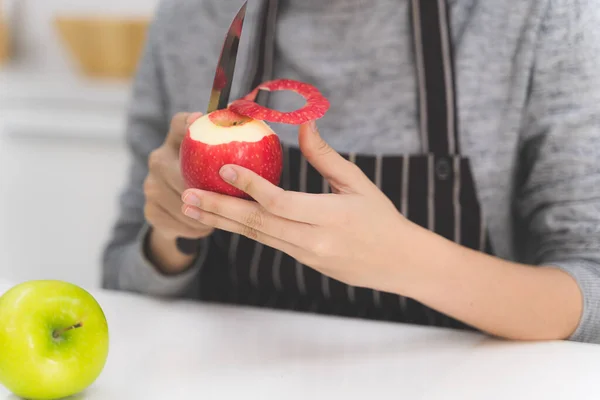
{"points": [[53, 339]]}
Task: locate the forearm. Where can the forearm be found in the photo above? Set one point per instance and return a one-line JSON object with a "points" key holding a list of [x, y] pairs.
{"points": [[126, 266], [502, 298]]}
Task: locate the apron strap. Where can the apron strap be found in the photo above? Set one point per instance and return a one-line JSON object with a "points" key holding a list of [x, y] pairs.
{"points": [[435, 74], [435, 70]]}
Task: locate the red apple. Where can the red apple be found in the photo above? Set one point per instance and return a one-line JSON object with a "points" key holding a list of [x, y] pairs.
{"points": [[238, 135], [225, 137]]}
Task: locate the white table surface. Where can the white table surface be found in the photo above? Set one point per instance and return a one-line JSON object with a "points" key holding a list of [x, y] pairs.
{"points": [[181, 350]]}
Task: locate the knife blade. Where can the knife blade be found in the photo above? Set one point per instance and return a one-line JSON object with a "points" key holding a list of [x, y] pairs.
{"points": [[221, 89], [219, 96]]}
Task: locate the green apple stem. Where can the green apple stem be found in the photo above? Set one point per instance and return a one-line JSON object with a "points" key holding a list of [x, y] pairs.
{"points": [[59, 332]]}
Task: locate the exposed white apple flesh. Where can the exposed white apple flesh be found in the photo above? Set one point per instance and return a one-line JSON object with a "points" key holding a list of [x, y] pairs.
{"points": [[213, 130]]}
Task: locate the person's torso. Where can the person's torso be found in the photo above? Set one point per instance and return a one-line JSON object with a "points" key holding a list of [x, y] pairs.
{"points": [[361, 57]]}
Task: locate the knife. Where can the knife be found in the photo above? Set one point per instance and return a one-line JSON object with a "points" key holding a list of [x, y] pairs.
{"points": [[219, 95]]}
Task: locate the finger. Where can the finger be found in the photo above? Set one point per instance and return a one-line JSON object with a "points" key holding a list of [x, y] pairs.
{"points": [[222, 223], [177, 129], [163, 163], [172, 204], [295, 206], [160, 194], [182, 221], [161, 218], [193, 117], [173, 170], [179, 125], [252, 215], [346, 176], [171, 175]]}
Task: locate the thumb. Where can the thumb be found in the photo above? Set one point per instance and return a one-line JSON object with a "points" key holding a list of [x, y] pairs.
{"points": [[179, 126], [341, 173]]}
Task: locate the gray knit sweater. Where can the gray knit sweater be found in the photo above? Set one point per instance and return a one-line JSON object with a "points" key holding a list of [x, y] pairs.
{"points": [[528, 78]]}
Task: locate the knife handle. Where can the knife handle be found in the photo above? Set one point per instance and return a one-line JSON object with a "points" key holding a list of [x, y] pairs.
{"points": [[188, 246]]}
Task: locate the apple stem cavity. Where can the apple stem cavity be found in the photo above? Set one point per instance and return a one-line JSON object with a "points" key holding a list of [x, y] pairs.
{"points": [[57, 333], [226, 118]]}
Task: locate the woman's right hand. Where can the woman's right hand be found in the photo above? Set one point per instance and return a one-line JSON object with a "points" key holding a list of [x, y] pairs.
{"points": [[163, 208]]}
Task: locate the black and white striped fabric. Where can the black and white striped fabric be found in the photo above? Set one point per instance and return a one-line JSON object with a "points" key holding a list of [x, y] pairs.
{"points": [[434, 189]]}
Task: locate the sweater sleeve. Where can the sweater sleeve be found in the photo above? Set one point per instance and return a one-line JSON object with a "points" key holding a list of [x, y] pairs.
{"points": [[558, 196], [124, 264]]}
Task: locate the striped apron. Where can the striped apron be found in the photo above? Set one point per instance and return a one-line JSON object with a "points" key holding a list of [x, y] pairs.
{"points": [[434, 189]]}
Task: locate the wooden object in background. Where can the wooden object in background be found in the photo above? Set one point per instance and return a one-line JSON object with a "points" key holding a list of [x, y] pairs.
{"points": [[104, 47], [4, 36], [4, 42]]}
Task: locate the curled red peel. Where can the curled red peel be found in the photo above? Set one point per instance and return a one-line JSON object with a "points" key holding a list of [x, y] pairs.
{"points": [[316, 104]]}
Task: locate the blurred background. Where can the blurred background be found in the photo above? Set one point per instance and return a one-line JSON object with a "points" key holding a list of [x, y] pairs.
{"points": [[65, 72]]}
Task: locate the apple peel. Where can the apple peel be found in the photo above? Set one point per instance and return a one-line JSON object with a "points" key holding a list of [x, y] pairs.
{"points": [[316, 104], [240, 135]]}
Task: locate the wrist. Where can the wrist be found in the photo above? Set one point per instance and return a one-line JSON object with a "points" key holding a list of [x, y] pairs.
{"points": [[162, 251], [427, 260]]}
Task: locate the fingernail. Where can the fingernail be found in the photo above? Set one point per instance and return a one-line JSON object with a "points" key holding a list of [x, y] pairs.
{"points": [[313, 127], [191, 199], [192, 212], [228, 174]]}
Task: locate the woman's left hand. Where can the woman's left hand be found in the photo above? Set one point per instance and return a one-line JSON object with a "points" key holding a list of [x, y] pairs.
{"points": [[354, 235]]}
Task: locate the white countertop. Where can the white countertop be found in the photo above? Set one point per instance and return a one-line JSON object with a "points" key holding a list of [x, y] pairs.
{"points": [[180, 350]]}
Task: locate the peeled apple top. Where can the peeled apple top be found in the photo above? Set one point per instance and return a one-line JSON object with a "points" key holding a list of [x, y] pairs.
{"points": [[222, 138], [239, 135]]}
